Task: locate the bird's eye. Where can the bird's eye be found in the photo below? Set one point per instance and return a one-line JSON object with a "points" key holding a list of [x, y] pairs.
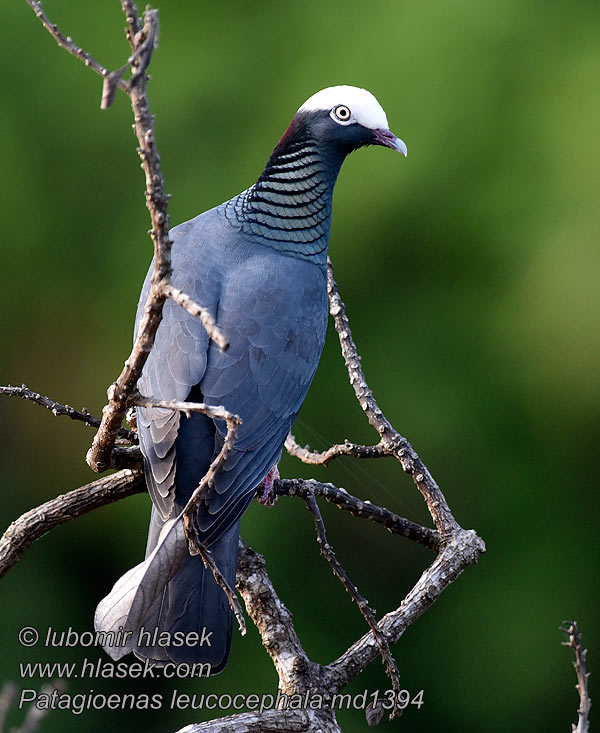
{"points": [[341, 113]]}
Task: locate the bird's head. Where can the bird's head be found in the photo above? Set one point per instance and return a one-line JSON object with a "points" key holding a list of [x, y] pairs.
{"points": [[342, 119]]}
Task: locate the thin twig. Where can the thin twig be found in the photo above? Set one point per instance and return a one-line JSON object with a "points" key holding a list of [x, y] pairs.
{"points": [[571, 629], [142, 39], [342, 449], [362, 603], [111, 81], [192, 530], [59, 410], [215, 411], [343, 500], [234, 603], [67, 43], [232, 422], [197, 311]]}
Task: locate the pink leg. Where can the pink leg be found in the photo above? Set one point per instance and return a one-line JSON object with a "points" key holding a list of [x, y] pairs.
{"points": [[266, 495]]}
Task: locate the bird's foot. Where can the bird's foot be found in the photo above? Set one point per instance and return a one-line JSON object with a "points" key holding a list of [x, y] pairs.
{"points": [[266, 494]]}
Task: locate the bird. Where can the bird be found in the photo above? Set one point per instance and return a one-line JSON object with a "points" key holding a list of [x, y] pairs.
{"points": [[258, 264]]}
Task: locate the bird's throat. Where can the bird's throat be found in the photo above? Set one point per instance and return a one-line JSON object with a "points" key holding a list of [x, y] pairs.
{"points": [[289, 207]]}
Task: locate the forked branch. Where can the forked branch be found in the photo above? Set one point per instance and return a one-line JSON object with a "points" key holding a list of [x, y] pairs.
{"points": [[142, 37]]}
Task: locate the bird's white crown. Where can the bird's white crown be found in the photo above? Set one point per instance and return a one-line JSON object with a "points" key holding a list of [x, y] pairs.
{"points": [[365, 109]]}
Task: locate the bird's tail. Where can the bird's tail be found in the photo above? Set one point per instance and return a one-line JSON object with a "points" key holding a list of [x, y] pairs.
{"points": [[170, 608]]}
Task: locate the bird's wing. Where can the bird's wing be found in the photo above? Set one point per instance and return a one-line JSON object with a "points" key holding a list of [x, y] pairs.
{"points": [[273, 309], [176, 363]]}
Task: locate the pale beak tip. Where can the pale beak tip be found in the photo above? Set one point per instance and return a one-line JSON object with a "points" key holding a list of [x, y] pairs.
{"points": [[400, 146], [387, 138]]}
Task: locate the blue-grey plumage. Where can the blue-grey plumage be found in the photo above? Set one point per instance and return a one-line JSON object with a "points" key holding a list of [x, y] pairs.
{"points": [[258, 263]]}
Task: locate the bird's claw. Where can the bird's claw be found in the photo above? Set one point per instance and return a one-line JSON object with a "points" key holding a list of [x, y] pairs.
{"points": [[265, 492]]}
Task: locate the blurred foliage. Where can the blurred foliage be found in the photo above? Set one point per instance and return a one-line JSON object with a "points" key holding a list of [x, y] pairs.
{"points": [[470, 272]]}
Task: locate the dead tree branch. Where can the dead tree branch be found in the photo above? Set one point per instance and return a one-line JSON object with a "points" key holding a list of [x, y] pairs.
{"points": [[67, 43], [269, 721], [343, 449], [32, 525], [156, 200], [297, 673], [343, 500], [274, 623], [59, 410], [142, 38], [574, 642], [209, 563], [188, 304], [189, 513]]}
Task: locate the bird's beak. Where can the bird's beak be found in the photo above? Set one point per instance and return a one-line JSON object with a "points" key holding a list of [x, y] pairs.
{"points": [[389, 140]]}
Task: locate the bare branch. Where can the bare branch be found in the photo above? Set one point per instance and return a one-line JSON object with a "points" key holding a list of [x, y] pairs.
{"points": [[133, 21], [343, 500], [343, 449], [269, 721], [59, 410], [571, 629], [274, 623], [32, 525], [357, 379], [266, 610], [143, 41], [189, 513], [296, 672], [362, 603], [234, 604], [215, 411]]}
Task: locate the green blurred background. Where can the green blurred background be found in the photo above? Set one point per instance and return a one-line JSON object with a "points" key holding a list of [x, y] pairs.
{"points": [[470, 272]]}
